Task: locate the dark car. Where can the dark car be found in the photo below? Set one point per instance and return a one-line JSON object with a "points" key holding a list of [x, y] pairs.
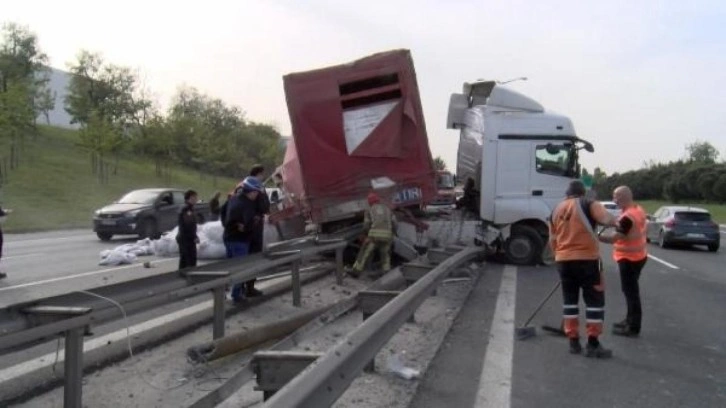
{"points": [[146, 213], [673, 225]]}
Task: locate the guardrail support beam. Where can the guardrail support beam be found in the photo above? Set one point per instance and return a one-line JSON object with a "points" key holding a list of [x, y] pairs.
{"points": [[218, 327], [72, 391], [274, 369], [296, 287], [369, 302], [339, 272]]}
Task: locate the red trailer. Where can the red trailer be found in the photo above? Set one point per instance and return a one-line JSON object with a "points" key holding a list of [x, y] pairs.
{"points": [[356, 127]]}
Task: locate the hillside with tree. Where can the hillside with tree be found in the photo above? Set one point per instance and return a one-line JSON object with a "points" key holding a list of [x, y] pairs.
{"points": [[117, 117]]}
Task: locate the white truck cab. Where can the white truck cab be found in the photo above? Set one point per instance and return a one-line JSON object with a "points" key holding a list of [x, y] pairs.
{"points": [[522, 159]]}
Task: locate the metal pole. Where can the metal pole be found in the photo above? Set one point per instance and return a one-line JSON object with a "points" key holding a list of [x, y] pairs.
{"points": [[339, 266], [218, 328], [72, 391], [296, 283]]}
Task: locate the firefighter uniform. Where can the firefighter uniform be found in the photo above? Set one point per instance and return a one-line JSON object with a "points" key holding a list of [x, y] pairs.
{"points": [[379, 223]]}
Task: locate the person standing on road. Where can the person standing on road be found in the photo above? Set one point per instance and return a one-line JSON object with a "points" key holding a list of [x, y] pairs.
{"points": [[258, 230], [379, 223], [630, 253], [3, 213], [577, 256], [241, 210], [186, 237]]}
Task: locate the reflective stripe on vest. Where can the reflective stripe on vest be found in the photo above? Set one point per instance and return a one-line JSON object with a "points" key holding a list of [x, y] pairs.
{"points": [[633, 246], [381, 222]]}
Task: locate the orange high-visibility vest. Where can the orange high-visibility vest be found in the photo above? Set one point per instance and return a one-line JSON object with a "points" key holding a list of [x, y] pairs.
{"points": [[633, 246], [572, 240]]}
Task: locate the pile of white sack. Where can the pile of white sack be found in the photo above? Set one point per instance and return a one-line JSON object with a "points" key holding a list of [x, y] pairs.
{"points": [[210, 246], [127, 253]]}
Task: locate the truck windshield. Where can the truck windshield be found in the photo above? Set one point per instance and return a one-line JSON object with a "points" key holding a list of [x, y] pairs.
{"points": [[446, 181], [556, 159], [139, 197]]}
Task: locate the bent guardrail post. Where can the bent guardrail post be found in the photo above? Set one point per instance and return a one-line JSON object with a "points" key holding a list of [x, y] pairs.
{"points": [[73, 361], [339, 272], [296, 287], [274, 368], [326, 379], [218, 293]]}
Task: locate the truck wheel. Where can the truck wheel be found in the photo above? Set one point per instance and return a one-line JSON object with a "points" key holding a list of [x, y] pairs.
{"points": [[104, 236], [148, 229], [524, 246]]}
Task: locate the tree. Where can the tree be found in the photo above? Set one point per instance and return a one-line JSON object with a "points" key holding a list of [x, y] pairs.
{"points": [[108, 94], [23, 76], [45, 103], [439, 164], [702, 152], [719, 188]]}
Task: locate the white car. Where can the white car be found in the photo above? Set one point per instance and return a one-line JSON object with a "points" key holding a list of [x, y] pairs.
{"points": [[612, 208]]}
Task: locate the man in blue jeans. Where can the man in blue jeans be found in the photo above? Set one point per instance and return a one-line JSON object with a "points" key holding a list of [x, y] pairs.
{"points": [[239, 223]]}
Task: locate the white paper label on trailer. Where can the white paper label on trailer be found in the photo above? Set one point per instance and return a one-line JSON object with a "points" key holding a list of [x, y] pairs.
{"points": [[359, 123]]}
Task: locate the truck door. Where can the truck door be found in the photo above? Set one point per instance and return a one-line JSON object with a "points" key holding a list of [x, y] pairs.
{"points": [[513, 190], [552, 171]]}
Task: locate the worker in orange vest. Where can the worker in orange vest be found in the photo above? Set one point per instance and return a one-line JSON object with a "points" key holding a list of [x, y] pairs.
{"points": [[577, 255], [629, 251]]}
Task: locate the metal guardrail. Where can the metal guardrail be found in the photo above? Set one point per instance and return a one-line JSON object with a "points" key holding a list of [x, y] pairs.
{"points": [[325, 380], [25, 324]]}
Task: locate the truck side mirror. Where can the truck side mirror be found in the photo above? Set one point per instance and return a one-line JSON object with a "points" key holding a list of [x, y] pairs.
{"points": [[552, 149]]}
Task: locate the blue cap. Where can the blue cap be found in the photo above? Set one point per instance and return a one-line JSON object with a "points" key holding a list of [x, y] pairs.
{"points": [[251, 184]]}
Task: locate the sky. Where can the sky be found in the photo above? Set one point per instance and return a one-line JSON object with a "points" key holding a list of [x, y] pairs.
{"points": [[639, 80]]}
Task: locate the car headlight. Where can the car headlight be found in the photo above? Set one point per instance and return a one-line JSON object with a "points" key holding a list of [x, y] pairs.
{"points": [[132, 213]]}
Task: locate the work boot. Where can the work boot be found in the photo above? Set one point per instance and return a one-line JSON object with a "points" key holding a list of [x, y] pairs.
{"points": [[575, 346], [625, 331], [621, 324], [597, 351]]}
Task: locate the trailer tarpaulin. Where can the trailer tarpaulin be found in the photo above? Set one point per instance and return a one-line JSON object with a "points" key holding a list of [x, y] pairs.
{"points": [[354, 123]]}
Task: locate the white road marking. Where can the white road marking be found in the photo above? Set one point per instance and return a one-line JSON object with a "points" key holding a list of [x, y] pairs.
{"points": [[80, 275], [61, 238], [668, 264], [47, 360], [495, 382], [5, 258]]}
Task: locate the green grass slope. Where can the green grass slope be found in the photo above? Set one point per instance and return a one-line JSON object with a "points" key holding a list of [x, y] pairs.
{"points": [[54, 187]]}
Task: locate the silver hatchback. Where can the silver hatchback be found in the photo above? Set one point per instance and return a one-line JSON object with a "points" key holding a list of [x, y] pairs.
{"points": [[675, 225]]}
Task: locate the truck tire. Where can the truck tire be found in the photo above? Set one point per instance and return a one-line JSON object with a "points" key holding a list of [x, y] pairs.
{"points": [[104, 236], [524, 246], [148, 229]]}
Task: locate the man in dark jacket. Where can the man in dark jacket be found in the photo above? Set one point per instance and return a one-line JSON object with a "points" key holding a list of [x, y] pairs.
{"points": [[239, 223], [186, 237], [263, 208]]}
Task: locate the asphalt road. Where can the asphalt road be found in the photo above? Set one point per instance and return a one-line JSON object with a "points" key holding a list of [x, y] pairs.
{"points": [[678, 361], [69, 260]]}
